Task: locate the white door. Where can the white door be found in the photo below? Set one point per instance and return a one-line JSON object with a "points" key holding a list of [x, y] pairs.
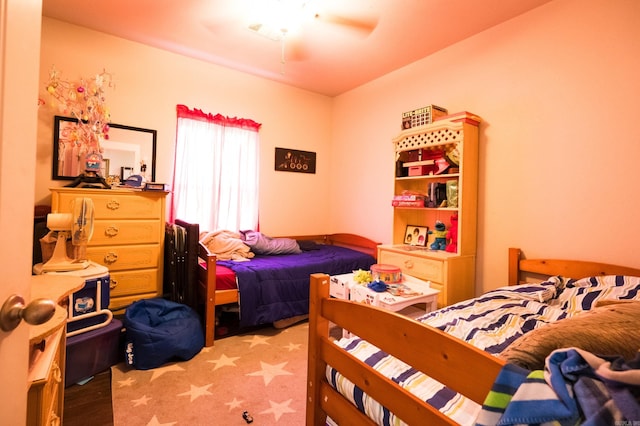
{"points": [[19, 81]]}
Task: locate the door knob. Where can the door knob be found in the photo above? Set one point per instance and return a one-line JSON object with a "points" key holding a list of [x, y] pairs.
{"points": [[38, 311]]}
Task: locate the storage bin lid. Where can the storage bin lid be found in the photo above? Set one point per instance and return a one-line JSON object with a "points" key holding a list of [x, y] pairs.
{"points": [[385, 269]]}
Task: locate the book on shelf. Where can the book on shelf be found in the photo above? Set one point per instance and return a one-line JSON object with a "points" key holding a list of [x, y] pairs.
{"points": [[405, 203], [408, 197], [155, 186]]}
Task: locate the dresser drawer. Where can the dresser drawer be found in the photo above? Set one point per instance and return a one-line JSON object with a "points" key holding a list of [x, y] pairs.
{"points": [[419, 267], [117, 205], [109, 232], [43, 397], [46, 391], [133, 282], [118, 258]]}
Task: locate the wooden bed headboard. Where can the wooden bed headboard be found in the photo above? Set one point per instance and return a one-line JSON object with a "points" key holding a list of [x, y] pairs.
{"points": [[521, 268], [352, 241]]}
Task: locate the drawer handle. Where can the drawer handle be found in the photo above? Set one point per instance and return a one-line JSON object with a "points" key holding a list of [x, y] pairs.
{"points": [[113, 284], [110, 257], [111, 231], [56, 373], [113, 205], [55, 420], [408, 264]]}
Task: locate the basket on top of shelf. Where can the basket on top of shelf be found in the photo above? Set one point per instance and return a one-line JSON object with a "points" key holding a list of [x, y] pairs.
{"points": [[444, 130]]}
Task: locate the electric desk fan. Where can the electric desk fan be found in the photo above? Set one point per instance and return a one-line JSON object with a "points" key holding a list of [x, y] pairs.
{"points": [[77, 225]]}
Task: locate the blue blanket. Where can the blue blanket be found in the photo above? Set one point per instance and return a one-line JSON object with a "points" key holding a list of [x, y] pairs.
{"points": [[272, 288], [576, 387]]}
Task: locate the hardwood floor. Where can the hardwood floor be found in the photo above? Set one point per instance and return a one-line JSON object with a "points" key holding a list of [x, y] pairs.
{"points": [[89, 403]]}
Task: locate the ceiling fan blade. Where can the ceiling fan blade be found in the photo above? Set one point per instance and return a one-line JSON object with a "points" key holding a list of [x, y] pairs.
{"points": [[364, 26]]}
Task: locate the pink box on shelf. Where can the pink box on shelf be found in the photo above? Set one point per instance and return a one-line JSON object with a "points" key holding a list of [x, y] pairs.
{"points": [[419, 170]]}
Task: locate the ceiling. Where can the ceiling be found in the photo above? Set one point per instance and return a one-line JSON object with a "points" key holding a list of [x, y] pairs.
{"points": [[347, 44]]}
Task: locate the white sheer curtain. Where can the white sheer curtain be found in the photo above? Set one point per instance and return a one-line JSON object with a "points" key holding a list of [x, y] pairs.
{"points": [[215, 181]]}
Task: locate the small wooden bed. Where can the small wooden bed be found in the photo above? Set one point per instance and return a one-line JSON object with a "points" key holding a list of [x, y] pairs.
{"points": [[451, 361], [209, 296]]}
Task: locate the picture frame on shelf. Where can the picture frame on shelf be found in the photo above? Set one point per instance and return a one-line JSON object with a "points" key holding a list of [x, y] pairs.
{"points": [[416, 235], [125, 172]]}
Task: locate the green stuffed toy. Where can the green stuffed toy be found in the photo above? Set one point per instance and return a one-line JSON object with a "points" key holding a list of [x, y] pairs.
{"points": [[440, 234]]}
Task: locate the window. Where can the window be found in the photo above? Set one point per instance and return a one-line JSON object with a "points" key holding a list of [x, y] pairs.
{"points": [[215, 181]]}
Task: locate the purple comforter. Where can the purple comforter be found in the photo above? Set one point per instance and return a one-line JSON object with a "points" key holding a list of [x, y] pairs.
{"points": [[272, 288]]}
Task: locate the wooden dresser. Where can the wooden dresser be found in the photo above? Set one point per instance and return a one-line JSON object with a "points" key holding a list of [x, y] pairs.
{"points": [[128, 238], [451, 274]]}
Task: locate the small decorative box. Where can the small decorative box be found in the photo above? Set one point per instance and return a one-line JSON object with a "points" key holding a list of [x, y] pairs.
{"points": [[388, 274], [422, 116]]}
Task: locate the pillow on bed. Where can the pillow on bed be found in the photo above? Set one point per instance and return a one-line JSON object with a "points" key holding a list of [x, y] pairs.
{"points": [[263, 244], [605, 330], [308, 245]]}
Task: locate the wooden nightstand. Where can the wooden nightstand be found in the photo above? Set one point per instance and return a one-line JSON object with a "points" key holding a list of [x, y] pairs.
{"points": [[450, 273]]}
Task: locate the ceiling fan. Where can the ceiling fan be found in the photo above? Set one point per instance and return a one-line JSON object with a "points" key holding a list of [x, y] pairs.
{"points": [[289, 16], [285, 21]]}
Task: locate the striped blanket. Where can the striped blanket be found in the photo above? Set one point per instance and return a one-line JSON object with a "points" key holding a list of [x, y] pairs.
{"points": [[490, 322], [575, 387]]}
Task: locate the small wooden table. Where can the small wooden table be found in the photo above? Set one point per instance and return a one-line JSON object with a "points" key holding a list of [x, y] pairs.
{"points": [[344, 287]]}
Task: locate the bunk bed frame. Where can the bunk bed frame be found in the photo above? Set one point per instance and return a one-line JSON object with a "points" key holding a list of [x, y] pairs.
{"points": [[453, 362]]}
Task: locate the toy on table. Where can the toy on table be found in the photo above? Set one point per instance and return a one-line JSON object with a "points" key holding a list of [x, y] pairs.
{"points": [[452, 235], [440, 234]]}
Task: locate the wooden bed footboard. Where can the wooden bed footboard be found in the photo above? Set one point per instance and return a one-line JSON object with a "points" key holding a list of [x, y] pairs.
{"points": [[208, 293], [460, 366]]}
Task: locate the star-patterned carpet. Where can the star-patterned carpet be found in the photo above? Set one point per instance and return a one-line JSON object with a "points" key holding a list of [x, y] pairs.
{"points": [[262, 373]]}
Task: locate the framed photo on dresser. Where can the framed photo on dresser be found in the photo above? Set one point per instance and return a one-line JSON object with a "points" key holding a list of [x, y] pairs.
{"points": [[416, 235]]}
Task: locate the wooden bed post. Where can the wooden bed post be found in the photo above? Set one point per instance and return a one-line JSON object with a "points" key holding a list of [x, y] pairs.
{"points": [[514, 266], [318, 327], [210, 302]]}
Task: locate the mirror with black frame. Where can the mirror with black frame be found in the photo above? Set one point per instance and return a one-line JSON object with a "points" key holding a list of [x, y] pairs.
{"points": [[128, 150]]}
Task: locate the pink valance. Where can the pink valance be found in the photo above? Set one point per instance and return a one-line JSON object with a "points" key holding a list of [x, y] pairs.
{"points": [[196, 114]]}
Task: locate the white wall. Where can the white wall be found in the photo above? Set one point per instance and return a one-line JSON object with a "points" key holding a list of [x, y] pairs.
{"points": [[151, 82], [557, 89]]}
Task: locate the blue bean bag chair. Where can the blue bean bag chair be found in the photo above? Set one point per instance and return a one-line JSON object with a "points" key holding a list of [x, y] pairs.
{"points": [[158, 331]]}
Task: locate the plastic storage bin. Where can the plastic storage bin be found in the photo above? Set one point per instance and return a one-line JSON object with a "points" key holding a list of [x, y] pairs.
{"points": [[88, 307], [93, 351]]}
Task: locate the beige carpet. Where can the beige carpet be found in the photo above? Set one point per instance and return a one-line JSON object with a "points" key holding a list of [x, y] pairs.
{"points": [[263, 373]]}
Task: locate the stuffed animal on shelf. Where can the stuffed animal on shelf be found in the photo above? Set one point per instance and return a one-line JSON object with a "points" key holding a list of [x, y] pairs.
{"points": [[440, 234], [452, 235]]}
